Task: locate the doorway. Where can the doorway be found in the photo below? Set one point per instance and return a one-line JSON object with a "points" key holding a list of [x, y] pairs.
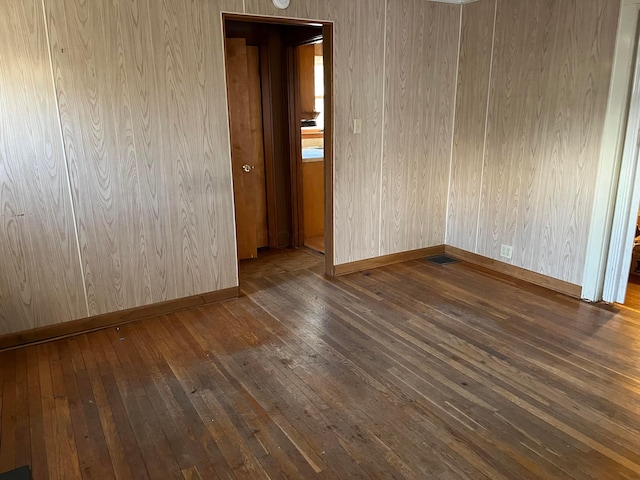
{"points": [[310, 110], [279, 85]]}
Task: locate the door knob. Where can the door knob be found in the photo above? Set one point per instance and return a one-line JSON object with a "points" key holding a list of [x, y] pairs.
{"points": [[247, 168]]}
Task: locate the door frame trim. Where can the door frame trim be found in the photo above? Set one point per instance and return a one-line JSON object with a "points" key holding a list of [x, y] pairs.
{"points": [[329, 148], [295, 139], [626, 205], [608, 176]]}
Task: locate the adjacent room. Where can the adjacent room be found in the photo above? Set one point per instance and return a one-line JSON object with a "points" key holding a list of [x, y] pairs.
{"points": [[377, 239]]}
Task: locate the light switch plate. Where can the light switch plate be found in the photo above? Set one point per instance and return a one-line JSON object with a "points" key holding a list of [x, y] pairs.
{"points": [[357, 126]]}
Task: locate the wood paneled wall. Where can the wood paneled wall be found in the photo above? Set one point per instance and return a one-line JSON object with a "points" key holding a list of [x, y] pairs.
{"points": [[143, 108], [421, 67], [359, 52], [379, 208], [358, 94], [143, 117], [141, 120], [40, 277], [547, 99], [476, 49], [143, 127]]}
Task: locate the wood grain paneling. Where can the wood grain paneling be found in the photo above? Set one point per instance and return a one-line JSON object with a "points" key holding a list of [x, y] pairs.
{"points": [[358, 67], [474, 69], [40, 276], [421, 66], [549, 88], [142, 100], [187, 59], [89, 58], [141, 93]]}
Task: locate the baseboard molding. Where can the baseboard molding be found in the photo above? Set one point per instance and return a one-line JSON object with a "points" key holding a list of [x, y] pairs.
{"points": [[377, 262], [84, 325], [516, 272]]}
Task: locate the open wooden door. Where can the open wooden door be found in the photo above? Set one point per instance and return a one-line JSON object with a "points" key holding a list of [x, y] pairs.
{"points": [[257, 137], [247, 153]]}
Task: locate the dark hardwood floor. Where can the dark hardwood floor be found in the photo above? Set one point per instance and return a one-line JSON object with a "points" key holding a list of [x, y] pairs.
{"points": [[412, 371]]}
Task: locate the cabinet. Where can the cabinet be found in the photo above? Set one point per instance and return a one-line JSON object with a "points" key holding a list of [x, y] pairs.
{"points": [[306, 72]]}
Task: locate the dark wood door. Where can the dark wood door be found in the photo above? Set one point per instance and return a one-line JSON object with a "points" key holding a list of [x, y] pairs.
{"points": [[247, 151]]}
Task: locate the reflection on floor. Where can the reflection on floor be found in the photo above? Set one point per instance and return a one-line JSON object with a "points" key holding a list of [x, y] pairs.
{"points": [[280, 260], [315, 243]]}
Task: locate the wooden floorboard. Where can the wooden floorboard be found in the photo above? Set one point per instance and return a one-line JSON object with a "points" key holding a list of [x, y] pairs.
{"points": [[410, 371]]}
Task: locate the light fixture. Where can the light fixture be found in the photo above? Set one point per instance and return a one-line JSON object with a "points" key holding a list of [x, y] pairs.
{"points": [[281, 4]]}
